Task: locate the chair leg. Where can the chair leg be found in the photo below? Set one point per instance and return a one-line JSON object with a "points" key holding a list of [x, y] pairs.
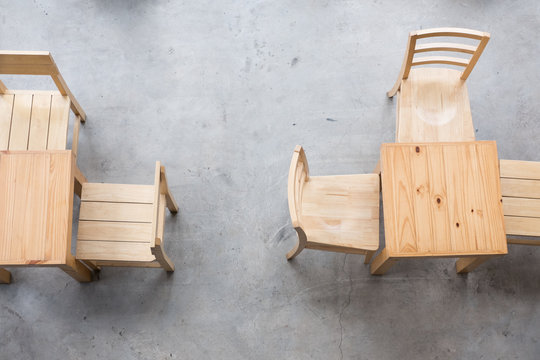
{"points": [[369, 256], [92, 265], [161, 257], [295, 251], [5, 276]]}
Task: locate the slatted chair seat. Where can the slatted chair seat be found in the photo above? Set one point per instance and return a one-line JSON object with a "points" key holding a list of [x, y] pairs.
{"points": [[122, 225], [33, 119], [520, 187], [433, 103], [333, 213]]}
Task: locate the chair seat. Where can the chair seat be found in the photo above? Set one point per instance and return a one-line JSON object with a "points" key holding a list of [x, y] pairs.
{"points": [[341, 211], [34, 120], [433, 106], [115, 223]]}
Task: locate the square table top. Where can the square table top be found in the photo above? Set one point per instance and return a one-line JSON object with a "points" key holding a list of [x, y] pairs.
{"points": [[36, 204], [442, 199]]}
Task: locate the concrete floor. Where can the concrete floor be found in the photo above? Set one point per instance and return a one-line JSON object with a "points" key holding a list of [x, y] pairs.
{"points": [[220, 92]]}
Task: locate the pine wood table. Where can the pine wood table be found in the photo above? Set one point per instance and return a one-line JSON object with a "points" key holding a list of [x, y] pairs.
{"points": [[36, 210], [441, 200]]}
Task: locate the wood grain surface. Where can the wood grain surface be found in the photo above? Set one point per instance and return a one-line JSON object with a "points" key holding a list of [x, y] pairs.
{"points": [[442, 199]]}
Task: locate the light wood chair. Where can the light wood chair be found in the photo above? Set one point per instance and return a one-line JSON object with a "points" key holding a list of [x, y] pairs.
{"points": [[433, 103], [122, 225], [520, 186], [34, 119], [333, 213]]}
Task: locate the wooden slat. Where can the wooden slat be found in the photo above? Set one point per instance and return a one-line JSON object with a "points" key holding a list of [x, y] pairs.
{"points": [[449, 60], [59, 206], [521, 207], [58, 123], [147, 264], [32, 92], [64, 90], [20, 122], [6, 109], [520, 169], [475, 57], [520, 188], [113, 251], [118, 193], [467, 49], [161, 217], [520, 241], [24, 69], [25, 57], [518, 225], [450, 32], [116, 211], [39, 122], [402, 218], [458, 198], [114, 231], [155, 210]]}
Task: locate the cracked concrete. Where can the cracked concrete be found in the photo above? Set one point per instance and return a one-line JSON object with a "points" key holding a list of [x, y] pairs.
{"points": [[221, 92]]}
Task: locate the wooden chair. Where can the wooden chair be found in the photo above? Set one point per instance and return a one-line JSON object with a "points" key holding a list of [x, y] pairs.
{"points": [[33, 119], [122, 225], [433, 104], [520, 186], [333, 213]]}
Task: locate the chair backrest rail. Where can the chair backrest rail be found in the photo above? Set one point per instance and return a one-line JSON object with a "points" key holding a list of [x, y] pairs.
{"points": [[36, 63], [414, 48]]}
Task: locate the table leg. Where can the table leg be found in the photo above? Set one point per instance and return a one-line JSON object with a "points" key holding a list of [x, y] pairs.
{"points": [[382, 263], [77, 270], [467, 264], [369, 255], [5, 276]]}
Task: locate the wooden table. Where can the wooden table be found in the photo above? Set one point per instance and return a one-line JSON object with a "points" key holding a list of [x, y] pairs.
{"points": [[36, 210], [441, 200]]}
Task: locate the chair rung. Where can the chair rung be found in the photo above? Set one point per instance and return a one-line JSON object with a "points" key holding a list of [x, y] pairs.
{"points": [[427, 60], [468, 49]]}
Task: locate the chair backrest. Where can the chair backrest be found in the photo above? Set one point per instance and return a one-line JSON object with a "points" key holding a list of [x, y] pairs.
{"points": [[36, 63], [298, 175], [413, 48], [520, 186], [158, 202]]}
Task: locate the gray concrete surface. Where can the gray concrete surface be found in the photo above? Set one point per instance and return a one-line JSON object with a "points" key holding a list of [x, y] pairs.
{"points": [[221, 91]]}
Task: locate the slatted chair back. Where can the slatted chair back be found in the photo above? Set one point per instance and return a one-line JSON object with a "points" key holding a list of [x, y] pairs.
{"points": [[520, 186], [32, 119], [413, 48]]}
